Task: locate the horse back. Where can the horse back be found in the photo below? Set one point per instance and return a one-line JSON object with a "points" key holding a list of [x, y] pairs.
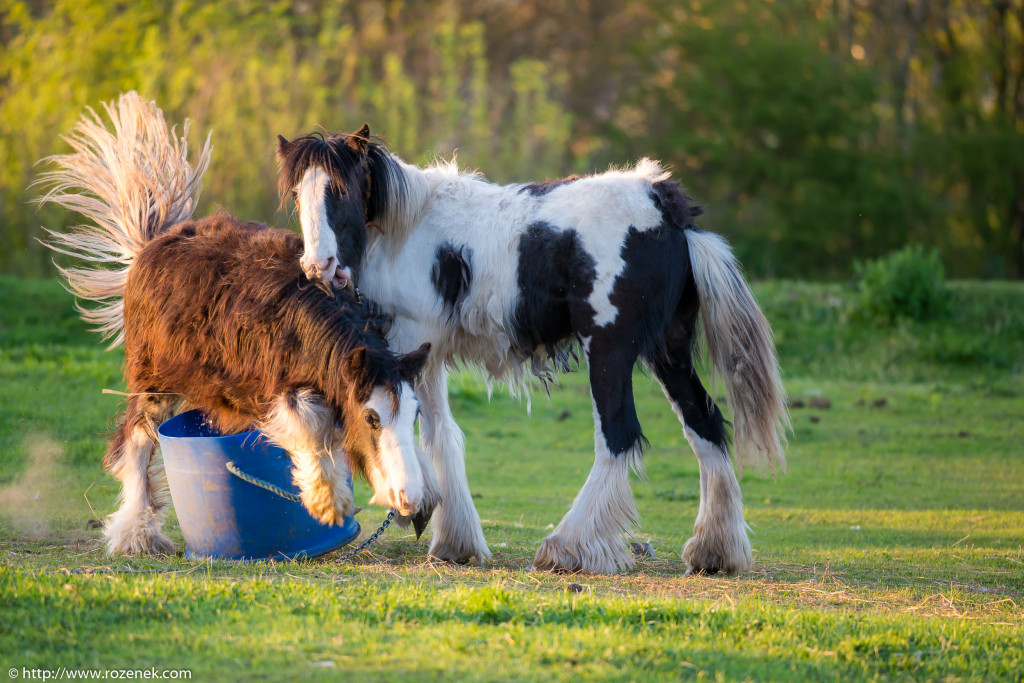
{"points": [[211, 313]]}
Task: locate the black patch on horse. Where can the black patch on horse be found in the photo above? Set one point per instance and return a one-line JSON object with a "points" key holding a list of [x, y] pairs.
{"points": [[673, 366], [556, 279], [452, 274], [647, 290], [670, 353], [541, 189], [646, 293]]}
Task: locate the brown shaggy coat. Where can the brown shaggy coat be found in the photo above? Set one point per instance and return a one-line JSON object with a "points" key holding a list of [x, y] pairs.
{"points": [[219, 312]]}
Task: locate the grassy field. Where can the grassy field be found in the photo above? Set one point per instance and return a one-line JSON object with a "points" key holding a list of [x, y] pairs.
{"points": [[893, 549]]}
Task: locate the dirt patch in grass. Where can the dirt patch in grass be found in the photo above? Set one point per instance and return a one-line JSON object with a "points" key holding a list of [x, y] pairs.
{"points": [[28, 502]]}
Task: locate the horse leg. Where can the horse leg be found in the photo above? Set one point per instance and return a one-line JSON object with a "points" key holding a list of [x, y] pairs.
{"points": [[457, 535], [303, 424], [589, 536], [135, 529], [719, 541]]}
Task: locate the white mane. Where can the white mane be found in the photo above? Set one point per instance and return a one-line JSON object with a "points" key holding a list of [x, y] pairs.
{"points": [[412, 189]]}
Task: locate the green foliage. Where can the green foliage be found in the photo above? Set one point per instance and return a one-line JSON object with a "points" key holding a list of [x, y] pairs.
{"points": [[908, 284], [775, 137], [824, 132], [248, 73], [816, 133], [979, 343]]}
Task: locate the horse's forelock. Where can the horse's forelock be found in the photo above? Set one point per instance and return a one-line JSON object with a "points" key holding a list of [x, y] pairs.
{"points": [[378, 369], [384, 373], [330, 152]]}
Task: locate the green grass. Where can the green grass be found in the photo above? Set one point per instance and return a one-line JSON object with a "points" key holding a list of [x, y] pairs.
{"points": [[893, 548]]}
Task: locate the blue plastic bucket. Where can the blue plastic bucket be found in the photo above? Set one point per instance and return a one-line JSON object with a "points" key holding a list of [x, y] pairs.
{"points": [[228, 518]]}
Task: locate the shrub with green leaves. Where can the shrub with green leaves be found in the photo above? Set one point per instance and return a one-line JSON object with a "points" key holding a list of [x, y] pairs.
{"points": [[908, 284]]}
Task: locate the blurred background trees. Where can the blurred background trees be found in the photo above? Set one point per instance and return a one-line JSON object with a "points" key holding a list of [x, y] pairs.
{"points": [[817, 132]]}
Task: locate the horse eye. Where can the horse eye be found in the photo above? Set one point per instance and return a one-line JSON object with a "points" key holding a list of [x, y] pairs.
{"points": [[295, 195], [373, 419]]}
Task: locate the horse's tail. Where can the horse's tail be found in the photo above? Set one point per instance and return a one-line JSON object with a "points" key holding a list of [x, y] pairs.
{"points": [[130, 184], [740, 344]]}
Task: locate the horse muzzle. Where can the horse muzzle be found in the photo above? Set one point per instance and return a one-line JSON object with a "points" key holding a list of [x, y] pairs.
{"points": [[330, 272], [420, 519]]}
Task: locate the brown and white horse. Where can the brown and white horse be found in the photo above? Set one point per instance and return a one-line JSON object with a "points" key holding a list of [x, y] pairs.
{"points": [[516, 277], [217, 312]]}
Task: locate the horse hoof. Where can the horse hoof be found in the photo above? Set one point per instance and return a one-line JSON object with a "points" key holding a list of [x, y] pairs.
{"points": [[144, 543], [704, 556], [463, 556]]}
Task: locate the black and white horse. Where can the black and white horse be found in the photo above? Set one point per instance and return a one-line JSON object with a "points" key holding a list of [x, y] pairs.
{"points": [[513, 276]]}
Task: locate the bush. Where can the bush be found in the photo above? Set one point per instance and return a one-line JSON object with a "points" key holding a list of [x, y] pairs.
{"points": [[908, 284]]}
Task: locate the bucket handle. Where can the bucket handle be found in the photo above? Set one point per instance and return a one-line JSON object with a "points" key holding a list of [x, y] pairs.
{"points": [[233, 469]]}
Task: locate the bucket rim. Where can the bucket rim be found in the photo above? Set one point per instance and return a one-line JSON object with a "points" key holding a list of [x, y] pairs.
{"points": [[173, 428]]}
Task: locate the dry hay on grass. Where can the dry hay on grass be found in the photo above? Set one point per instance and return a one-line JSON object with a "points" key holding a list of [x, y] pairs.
{"points": [[823, 589], [826, 589]]}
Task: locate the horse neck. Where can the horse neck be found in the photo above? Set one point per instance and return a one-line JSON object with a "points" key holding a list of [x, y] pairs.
{"points": [[328, 361], [410, 192], [407, 205]]}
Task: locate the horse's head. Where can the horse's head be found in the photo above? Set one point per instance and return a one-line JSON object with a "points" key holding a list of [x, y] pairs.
{"points": [[379, 432], [329, 178]]}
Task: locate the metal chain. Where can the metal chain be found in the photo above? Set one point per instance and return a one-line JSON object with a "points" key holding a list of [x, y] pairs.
{"points": [[292, 497], [373, 537]]}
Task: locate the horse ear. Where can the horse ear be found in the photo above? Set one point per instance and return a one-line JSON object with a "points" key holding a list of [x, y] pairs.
{"points": [[282, 145], [411, 364], [359, 141]]}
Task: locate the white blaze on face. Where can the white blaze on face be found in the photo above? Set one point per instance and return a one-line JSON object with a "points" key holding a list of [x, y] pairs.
{"points": [[320, 258], [401, 476]]}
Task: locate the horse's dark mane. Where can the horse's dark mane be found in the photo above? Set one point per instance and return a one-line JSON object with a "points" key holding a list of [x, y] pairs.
{"points": [[388, 182], [220, 312], [343, 166]]}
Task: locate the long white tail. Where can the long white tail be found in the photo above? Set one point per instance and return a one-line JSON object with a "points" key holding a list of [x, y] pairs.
{"points": [[741, 346], [131, 184]]}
